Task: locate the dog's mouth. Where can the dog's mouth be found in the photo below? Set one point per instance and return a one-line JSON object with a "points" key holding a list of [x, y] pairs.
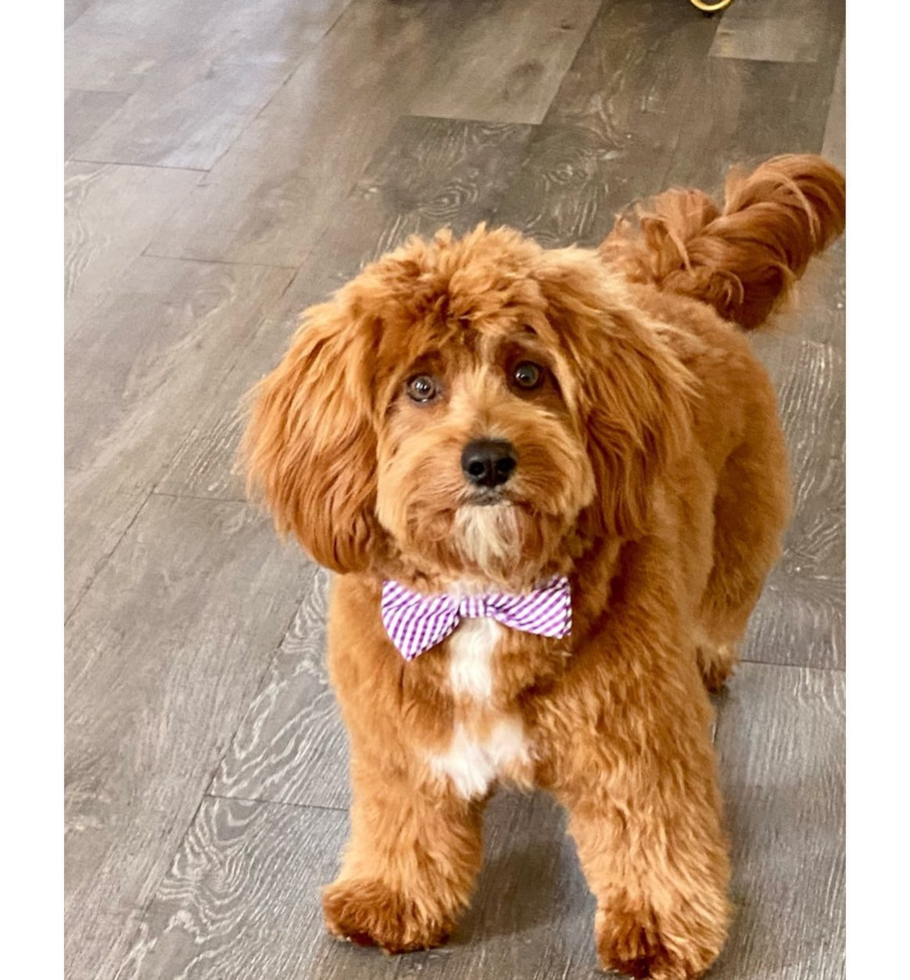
{"points": [[488, 497]]}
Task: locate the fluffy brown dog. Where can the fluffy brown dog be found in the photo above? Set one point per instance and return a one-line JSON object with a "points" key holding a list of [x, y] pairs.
{"points": [[477, 416]]}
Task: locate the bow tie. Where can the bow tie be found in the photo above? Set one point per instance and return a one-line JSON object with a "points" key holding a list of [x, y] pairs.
{"points": [[416, 622]]}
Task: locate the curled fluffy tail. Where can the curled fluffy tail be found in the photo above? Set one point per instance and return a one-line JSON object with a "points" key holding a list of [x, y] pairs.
{"points": [[744, 259]]}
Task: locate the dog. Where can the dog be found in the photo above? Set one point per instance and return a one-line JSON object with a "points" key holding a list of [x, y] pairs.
{"points": [[551, 483]]}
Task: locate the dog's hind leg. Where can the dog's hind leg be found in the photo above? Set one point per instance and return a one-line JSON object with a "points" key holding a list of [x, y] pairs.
{"points": [[750, 512]]}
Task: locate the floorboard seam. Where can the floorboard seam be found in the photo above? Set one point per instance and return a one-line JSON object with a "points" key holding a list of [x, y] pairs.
{"points": [[260, 685], [146, 254], [132, 163], [791, 666], [296, 806], [131, 935], [106, 558], [155, 492]]}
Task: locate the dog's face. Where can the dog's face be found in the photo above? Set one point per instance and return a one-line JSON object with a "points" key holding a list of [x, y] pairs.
{"points": [[475, 410], [482, 468]]}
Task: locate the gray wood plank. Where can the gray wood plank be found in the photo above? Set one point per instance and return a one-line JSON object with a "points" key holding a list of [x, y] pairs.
{"points": [[74, 9], [118, 45], [171, 685], [507, 60], [93, 526], [274, 193], [799, 620], [271, 196], [291, 746], [163, 655], [241, 898], [611, 131], [532, 917], [111, 215], [743, 111], [429, 173], [150, 356], [199, 71], [780, 742], [84, 112], [204, 462], [115, 44], [778, 30], [187, 114], [139, 372], [200, 923], [835, 144], [809, 377]]}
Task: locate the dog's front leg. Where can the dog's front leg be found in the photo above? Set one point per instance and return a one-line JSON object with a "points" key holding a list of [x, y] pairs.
{"points": [[410, 865], [633, 763]]}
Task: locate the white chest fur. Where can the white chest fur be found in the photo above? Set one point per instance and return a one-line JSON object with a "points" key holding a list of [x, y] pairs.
{"points": [[471, 652], [474, 760]]}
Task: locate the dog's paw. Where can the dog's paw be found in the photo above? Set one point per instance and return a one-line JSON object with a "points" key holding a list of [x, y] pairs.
{"points": [[369, 913], [634, 946], [717, 664]]}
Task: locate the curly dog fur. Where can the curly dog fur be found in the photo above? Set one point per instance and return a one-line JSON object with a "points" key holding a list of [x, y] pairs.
{"points": [[651, 471]]}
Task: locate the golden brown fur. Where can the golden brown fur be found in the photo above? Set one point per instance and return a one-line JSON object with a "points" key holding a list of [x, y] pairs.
{"points": [[651, 471]]}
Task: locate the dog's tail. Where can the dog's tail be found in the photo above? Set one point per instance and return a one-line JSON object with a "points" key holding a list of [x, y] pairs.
{"points": [[744, 259]]}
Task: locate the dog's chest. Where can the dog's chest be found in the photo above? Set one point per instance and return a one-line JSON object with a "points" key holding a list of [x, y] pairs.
{"points": [[488, 742]]}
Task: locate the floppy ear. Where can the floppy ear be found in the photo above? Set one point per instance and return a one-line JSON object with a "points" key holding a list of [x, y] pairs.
{"points": [[310, 446], [632, 392]]}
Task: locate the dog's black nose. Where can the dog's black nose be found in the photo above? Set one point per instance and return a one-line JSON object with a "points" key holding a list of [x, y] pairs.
{"points": [[488, 462]]}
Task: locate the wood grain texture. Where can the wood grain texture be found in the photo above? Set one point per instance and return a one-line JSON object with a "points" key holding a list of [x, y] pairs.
{"points": [[291, 746], [276, 191], [114, 45], [111, 215], [163, 655], [240, 901], [93, 527], [189, 697], [186, 115], [119, 45], [743, 111], [505, 60], [273, 194], [799, 619], [778, 30], [532, 917], [427, 174], [199, 71], [239, 856], [147, 361], [611, 131], [84, 112], [780, 743], [139, 372]]}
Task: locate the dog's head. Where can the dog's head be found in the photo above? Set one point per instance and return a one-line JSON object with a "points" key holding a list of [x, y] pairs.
{"points": [[477, 409]]}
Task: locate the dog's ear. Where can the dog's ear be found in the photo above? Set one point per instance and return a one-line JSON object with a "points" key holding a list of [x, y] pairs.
{"points": [[310, 445], [632, 393]]}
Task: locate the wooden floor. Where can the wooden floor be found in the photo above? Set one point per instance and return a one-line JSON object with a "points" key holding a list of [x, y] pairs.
{"points": [[229, 162]]}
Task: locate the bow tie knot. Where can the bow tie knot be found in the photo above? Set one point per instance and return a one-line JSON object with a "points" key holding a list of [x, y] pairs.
{"points": [[416, 623]]}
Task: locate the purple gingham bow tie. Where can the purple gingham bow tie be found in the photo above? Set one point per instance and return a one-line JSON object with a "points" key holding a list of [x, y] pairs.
{"points": [[416, 622]]}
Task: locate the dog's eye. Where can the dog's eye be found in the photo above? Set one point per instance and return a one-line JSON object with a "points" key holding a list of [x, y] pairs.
{"points": [[527, 375], [422, 388]]}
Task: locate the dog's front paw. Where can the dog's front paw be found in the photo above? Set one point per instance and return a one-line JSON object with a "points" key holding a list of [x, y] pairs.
{"points": [[369, 913], [634, 945], [717, 663]]}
